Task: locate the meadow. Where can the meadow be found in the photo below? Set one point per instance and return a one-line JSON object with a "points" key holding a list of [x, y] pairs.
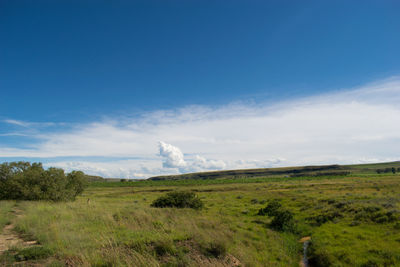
{"points": [[353, 220]]}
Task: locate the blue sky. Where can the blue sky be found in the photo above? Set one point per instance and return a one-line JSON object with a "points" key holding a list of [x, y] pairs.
{"points": [[129, 88]]}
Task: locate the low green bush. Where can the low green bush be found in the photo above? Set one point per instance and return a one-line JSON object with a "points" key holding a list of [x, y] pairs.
{"points": [[283, 221], [271, 209], [178, 200]]}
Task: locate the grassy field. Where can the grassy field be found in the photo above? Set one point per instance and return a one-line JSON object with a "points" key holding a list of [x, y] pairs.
{"points": [[353, 220]]}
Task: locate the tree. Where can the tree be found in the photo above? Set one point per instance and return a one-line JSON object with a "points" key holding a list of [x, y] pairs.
{"points": [[25, 181]]}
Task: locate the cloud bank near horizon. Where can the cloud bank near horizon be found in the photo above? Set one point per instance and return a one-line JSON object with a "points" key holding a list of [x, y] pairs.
{"points": [[347, 126]]}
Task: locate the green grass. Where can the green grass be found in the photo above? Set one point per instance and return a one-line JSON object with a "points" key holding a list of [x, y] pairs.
{"points": [[5, 213], [353, 221], [194, 182]]}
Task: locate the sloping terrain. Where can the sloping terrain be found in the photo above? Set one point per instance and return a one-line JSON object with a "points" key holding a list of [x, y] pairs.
{"points": [[286, 171]]}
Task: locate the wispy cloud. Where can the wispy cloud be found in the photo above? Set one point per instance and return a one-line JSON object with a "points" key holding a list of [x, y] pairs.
{"points": [[346, 126], [17, 122], [28, 124]]}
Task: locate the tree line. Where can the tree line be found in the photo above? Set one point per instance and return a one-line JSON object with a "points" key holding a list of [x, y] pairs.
{"points": [[26, 181]]}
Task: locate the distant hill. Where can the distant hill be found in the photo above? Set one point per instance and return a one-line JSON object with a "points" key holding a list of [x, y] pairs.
{"points": [[93, 178], [319, 170]]}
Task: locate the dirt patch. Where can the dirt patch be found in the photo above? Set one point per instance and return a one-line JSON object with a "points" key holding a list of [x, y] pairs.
{"points": [[9, 238]]}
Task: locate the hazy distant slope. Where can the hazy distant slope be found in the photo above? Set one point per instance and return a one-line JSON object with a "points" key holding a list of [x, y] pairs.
{"points": [[285, 171]]}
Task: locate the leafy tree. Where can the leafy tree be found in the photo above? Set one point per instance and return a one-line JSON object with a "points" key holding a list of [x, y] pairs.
{"points": [[25, 181]]}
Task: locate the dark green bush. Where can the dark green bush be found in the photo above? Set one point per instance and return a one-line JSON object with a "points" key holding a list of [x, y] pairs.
{"points": [[283, 221], [178, 200], [26, 181], [271, 209]]}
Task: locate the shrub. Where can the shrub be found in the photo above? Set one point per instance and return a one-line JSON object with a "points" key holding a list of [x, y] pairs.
{"points": [[282, 218], [26, 181], [283, 221], [178, 200], [271, 209]]}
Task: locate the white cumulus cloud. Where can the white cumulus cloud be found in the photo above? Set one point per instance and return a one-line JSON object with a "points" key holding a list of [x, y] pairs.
{"points": [[172, 156]]}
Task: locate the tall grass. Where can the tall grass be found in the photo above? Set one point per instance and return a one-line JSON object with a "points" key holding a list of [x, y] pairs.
{"points": [[5, 213]]}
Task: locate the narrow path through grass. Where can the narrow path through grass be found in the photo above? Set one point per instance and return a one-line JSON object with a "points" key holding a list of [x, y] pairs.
{"points": [[9, 238]]}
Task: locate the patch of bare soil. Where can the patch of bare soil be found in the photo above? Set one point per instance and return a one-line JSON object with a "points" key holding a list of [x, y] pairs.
{"points": [[9, 238]]}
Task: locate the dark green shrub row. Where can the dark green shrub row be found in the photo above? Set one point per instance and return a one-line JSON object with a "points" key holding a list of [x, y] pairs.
{"points": [[387, 170], [178, 200], [26, 181]]}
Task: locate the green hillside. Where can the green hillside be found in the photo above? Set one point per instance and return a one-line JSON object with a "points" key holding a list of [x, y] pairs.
{"points": [[322, 170]]}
